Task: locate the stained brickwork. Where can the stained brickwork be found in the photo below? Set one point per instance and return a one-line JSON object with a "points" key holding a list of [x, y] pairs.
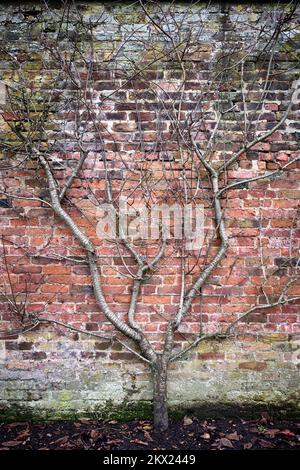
{"points": [[58, 372]]}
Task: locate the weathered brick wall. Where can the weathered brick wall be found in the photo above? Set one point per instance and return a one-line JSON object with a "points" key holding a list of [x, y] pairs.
{"points": [[56, 372]]}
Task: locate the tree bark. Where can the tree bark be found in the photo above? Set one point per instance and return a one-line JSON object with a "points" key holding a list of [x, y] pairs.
{"points": [[160, 394]]}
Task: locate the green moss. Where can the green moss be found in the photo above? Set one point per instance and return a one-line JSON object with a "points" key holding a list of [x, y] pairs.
{"points": [[240, 8], [274, 337], [64, 395], [32, 65], [287, 409], [17, 412], [125, 412], [130, 17]]}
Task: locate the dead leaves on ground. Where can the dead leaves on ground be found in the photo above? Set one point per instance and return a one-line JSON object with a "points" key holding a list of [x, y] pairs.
{"points": [[188, 433], [261, 435], [20, 439]]}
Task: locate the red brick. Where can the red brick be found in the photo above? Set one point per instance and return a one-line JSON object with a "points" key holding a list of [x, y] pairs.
{"points": [[256, 366], [53, 288], [210, 356], [56, 269]]}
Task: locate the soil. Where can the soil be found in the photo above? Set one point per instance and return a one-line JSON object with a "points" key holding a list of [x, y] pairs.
{"points": [[188, 433]]}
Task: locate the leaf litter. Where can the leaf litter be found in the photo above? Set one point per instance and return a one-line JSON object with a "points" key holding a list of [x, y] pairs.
{"points": [[189, 433]]}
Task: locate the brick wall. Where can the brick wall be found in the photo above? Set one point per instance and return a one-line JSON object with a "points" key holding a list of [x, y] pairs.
{"points": [[58, 372]]}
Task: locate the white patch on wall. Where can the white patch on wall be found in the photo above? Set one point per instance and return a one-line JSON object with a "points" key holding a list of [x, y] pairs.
{"points": [[2, 94], [295, 99], [296, 351], [2, 352], [296, 92]]}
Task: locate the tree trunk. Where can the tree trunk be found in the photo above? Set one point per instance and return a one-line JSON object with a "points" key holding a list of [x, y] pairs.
{"points": [[160, 398]]}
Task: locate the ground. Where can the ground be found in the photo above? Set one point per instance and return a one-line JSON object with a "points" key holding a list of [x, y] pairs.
{"points": [[188, 433]]}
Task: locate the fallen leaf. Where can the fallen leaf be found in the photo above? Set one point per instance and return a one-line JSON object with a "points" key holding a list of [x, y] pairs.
{"points": [[114, 442], [233, 436], [248, 445], [272, 432], [11, 443], [223, 442], [147, 427], [94, 434], [61, 440], [23, 436], [266, 444], [67, 445], [137, 441], [286, 432], [206, 435], [187, 421]]}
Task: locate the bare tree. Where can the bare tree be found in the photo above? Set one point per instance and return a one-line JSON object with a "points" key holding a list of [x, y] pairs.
{"points": [[196, 106]]}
